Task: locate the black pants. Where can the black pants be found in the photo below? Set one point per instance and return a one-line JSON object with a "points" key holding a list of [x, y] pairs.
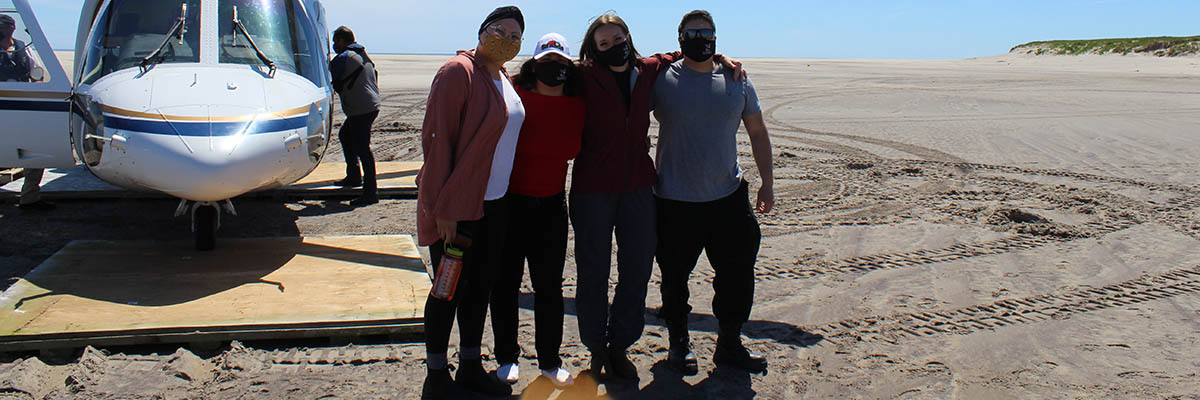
{"points": [[595, 217], [727, 230], [355, 136], [537, 232], [470, 302]]}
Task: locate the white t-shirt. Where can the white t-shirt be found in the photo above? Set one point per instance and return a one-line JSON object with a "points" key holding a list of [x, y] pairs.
{"points": [[506, 149]]}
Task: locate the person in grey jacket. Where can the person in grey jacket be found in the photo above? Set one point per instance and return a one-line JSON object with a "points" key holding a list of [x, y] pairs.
{"points": [[354, 79]]}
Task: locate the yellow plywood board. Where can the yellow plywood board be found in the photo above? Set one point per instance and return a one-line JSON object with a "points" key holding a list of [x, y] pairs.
{"points": [[391, 175], [109, 287]]}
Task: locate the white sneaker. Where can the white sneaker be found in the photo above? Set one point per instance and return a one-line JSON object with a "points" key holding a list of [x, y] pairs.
{"points": [[510, 373], [559, 376]]}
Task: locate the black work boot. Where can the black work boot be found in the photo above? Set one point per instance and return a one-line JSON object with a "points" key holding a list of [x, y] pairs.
{"points": [[437, 384], [364, 200], [619, 364], [472, 376], [348, 182], [680, 354], [731, 352]]}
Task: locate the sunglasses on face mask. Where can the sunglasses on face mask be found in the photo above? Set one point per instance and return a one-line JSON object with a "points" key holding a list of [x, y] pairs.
{"points": [[707, 34], [497, 30]]}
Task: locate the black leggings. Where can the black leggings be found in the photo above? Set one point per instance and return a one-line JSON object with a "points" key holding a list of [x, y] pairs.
{"points": [[355, 136], [475, 283], [537, 232]]}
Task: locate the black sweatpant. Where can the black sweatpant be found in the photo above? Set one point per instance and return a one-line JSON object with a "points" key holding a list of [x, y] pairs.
{"points": [[537, 232], [355, 136], [596, 217], [727, 230], [470, 302]]}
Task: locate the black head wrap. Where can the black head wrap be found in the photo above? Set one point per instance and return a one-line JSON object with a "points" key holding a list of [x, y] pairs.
{"points": [[504, 13]]}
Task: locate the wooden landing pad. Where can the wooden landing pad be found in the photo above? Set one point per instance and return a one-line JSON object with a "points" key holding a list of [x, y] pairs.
{"points": [[107, 293], [396, 179]]}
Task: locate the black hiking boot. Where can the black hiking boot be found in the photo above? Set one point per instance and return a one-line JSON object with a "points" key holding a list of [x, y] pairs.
{"points": [[680, 355], [437, 385], [730, 351], [365, 200], [619, 364], [472, 376], [349, 182]]}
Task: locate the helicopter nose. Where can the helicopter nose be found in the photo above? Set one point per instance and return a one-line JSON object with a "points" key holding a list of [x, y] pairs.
{"points": [[209, 158]]}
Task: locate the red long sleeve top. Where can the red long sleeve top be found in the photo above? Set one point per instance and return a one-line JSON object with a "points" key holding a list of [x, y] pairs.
{"points": [[550, 137]]}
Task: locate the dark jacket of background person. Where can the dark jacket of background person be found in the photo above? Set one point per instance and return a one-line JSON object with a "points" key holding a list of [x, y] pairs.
{"points": [[464, 119], [354, 79]]}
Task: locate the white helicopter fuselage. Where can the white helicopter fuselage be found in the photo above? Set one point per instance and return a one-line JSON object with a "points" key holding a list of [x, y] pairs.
{"points": [[205, 132], [201, 129]]}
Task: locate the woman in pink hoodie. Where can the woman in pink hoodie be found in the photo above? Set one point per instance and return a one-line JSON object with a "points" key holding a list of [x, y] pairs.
{"points": [[469, 138]]}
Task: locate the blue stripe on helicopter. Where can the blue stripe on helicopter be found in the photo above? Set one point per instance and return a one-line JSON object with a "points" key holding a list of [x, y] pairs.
{"points": [[203, 129], [33, 105]]}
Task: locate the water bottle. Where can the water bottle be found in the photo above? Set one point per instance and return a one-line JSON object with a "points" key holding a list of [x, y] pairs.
{"points": [[449, 270]]}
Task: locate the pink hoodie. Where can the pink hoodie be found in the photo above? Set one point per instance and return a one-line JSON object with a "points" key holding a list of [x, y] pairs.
{"points": [[464, 118]]}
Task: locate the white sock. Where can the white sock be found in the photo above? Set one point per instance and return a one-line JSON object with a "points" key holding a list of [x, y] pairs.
{"points": [[559, 376], [510, 373]]}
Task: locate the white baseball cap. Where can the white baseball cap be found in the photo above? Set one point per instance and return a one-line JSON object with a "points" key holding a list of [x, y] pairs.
{"points": [[552, 43]]}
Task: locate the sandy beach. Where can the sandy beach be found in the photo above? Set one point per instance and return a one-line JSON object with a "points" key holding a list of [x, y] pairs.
{"points": [[991, 228]]}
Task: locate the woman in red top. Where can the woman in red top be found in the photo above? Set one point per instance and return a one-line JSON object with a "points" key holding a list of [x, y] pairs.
{"points": [[554, 112]]}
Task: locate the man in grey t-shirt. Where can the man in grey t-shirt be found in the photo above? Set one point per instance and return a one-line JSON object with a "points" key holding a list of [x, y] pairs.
{"points": [[703, 202]]}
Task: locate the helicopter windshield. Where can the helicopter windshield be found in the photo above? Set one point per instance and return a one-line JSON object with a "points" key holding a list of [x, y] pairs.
{"points": [[279, 28], [127, 31]]}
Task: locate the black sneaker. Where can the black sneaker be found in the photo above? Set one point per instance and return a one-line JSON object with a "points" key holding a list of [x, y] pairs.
{"points": [[472, 376], [619, 364], [731, 352], [365, 200], [437, 385], [348, 183], [40, 205]]}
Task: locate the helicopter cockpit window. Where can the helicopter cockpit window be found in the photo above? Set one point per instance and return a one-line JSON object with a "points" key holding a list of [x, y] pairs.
{"points": [[278, 28], [19, 61], [128, 31]]}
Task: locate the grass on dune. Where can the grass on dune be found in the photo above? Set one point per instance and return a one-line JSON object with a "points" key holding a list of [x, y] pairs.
{"points": [[1162, 46]]}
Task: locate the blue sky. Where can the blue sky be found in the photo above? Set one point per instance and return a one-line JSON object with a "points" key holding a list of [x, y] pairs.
{"points": [[906, 29]]}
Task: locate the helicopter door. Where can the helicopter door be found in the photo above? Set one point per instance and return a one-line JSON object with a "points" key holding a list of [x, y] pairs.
{"points": [[34, 94]]}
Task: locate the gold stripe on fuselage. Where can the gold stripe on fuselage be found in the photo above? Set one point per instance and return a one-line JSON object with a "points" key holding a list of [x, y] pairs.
{"points": [[189, 118]]}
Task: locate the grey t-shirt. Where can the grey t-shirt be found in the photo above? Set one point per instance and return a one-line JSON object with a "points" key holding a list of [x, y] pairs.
{"points": [[699, 114]]}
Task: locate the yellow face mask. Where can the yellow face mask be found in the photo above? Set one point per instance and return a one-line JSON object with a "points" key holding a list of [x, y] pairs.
{"points": [[501, 49]]}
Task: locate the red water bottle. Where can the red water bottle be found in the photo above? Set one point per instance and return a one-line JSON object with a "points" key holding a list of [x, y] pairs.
{"points": [[449, 270]]}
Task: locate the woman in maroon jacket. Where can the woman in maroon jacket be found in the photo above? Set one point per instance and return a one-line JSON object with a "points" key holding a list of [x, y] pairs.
{"points": [[611, 191], [472, 122], [549, 86]]}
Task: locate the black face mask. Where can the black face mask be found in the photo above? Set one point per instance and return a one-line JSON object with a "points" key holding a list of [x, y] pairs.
{"points": [[698, 49], [551, 73], [4, 35], [615, 56]]}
